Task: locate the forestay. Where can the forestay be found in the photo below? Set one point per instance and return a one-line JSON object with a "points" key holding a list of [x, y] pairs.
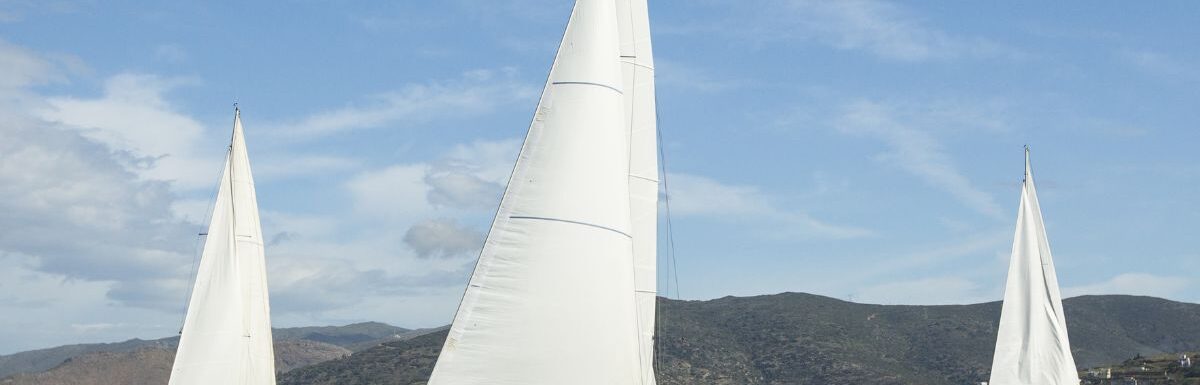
{"points": [[1032, 346], [226, 337]]}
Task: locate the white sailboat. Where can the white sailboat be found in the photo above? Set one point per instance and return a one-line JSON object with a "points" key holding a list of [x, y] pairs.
{"points": [[564, 289], [226, 337], [1032, 346]]}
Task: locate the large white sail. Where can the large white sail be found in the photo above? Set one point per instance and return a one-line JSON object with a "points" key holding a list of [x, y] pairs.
{"points": [[551, 299], [1032, 346], [226, 337], [637, 65]]}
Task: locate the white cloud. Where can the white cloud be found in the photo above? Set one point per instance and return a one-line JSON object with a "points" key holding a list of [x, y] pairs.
{"points": [[472, 176], [134, 116], [1160, 64], [73, 205], [1136, 284], [21, 68], [474, 93], [693, 195], [390, 193], [926, 291], [879, 28], [442, 238], [916, 151], [697, 195], [171, 53], [291, 165], [678, 75]]}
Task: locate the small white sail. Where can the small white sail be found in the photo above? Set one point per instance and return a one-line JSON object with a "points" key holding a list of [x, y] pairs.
{"points": [[1032, 346], [637, 64], [226, 337], [551, 299]]}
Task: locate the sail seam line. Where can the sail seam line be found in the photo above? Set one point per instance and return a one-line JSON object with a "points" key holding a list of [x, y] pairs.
{"points": [[573, 222], [618, 90], [646, 66], [643, 178]]}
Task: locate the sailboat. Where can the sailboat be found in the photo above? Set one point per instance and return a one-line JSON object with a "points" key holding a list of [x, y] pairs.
{"points": [[564, 289], [226, 336], [1032, 346]]}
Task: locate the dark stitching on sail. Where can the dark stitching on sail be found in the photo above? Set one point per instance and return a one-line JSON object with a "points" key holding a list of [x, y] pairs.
{"points": [[590, 84], [573, 222]]}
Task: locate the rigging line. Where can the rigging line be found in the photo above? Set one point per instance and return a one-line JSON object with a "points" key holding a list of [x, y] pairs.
{"points": [[198, 247], [662, 156], [673, 262]]}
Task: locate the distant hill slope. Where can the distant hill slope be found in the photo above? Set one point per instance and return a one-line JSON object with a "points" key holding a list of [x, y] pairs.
{"points": [[807, 339], [152, 365], [353, 337]]}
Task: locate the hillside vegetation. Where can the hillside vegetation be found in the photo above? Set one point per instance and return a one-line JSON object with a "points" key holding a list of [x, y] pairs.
{"points": [[780, 339], [808, 339]]}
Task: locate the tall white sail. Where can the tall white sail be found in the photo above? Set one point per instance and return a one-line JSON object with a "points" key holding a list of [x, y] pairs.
{"points": [[551, 299], [637, 65], [1032, 346], [226, 337]]}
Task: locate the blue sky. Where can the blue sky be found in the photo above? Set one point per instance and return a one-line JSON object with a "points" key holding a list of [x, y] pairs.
{"points": [[865, 150]]}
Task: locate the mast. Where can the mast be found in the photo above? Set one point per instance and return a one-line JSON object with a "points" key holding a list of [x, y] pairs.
{"points": [[226, 336], [1032, 345], [551, 299], [641, 118]]}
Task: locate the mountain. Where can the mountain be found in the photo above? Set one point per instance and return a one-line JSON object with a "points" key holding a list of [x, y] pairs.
{"points": [[350, 337], [807, 339], [152, 365], [765, 340]]}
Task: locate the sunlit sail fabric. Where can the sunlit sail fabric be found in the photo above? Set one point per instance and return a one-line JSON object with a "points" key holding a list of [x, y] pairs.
{"points": [[637, 67], [226, 337], [1032, 346], [551, 299]]}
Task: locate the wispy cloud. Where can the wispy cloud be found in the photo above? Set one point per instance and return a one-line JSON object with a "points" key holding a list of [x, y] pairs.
{"points": [[671, 74], [693, 195], [925, 291], [171, 53], [1136, 284], [1161, 65], [916, 151], [880, 28], [474, 93]]}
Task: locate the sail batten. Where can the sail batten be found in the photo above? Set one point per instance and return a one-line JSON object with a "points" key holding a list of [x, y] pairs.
{"points": [[1032, 347], [226, 336]]}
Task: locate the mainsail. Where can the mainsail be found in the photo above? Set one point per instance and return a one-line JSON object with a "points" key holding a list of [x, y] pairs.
{"points": [[1032, 346], [552, 299], [637, 65], [226, 337]]}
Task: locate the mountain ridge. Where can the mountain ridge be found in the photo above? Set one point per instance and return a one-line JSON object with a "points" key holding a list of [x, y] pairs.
{"points": [[352, 337], [787, 338], [797, 338]]}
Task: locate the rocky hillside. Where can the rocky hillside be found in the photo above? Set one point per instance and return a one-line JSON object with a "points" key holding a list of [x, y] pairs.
{"points": [[352, 337], [807, 339], [152, 365], [780, 339]]}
